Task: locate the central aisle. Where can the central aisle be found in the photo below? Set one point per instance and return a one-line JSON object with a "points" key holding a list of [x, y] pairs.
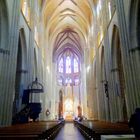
{"points": [[69, 132]]}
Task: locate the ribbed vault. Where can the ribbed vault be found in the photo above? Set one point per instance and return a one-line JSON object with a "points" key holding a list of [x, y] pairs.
{"points": [[68, 23], [67, 39]]}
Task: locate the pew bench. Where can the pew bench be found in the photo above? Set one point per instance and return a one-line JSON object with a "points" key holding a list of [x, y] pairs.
{"points": [[52, 132], [94, 129], [17, 137], [32, 131]]}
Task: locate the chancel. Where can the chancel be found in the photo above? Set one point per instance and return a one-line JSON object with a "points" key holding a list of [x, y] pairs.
{"points": [[69, 69]]}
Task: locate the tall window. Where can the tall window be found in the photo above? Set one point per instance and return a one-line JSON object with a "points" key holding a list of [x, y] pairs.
{"points": [[68, 81], [76, 66], [68, 65], [60, 81], [60, 69], [76, 81], [68, 68]]}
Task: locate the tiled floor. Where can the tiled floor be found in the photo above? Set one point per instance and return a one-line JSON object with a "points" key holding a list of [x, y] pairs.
{"points": [[69, 132]]}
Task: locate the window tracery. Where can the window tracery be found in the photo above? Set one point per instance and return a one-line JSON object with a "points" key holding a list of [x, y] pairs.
{"points": [[61, 65], [68, 67]]}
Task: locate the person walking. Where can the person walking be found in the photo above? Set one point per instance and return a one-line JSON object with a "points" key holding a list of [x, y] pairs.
{"points": [[134, 123]]}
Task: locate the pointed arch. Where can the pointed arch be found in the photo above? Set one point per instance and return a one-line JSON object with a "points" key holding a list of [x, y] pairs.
{"points": [[118, 72], [21, 70]]}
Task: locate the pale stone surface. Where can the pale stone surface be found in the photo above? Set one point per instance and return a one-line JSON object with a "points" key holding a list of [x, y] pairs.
{"points": [[117, 137]]}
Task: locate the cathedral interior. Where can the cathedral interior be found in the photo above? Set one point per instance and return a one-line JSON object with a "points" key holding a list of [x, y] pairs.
{"points": [[69, 69]]}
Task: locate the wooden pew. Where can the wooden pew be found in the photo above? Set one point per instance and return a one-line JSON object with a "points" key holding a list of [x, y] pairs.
{"points": [[51, 133], [30, 131], [98, 128]]}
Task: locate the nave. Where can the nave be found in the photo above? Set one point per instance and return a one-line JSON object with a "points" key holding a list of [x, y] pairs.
{"points": [[66, 59], [58, 130]]}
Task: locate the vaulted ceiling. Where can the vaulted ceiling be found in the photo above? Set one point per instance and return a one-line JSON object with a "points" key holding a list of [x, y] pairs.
{"points": [[68, 23]]}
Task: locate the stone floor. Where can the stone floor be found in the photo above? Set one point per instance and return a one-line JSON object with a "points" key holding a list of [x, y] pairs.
{"points": [[69, 132]]}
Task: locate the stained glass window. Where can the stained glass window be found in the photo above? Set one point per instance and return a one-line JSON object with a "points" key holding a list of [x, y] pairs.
{"points": [[76, 81], [61, 65], [68, 65], [60, 81], [76, 66], [68, 81], [68, 68]]}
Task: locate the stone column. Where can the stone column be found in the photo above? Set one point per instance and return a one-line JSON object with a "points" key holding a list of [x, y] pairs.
{"points": [[131, 89], [9, 68]]}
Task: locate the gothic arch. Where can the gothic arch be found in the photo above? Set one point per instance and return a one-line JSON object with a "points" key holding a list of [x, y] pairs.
{"points": [[118, 74], [21, 70]]}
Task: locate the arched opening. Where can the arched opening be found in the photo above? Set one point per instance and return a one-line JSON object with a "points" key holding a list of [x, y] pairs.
{"points": [[21, 70], [118, 74], [67, 56], [121, 78], [68, 105], [18, 78]]}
